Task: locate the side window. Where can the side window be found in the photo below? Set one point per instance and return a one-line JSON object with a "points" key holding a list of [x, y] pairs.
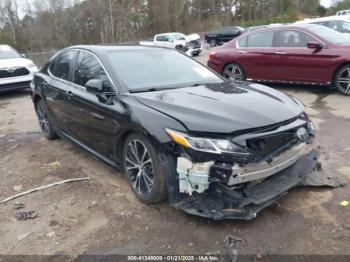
{"points": [[263, 39], [63, 64], [293, 39], [343, 26], [160, 38], [163, 38], [242, 42], [87, 68]]}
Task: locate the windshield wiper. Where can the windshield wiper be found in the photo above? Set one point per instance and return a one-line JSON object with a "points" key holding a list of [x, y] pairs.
{"points": [[151, 89]]}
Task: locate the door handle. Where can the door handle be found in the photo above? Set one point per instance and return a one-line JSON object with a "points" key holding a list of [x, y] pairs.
{"points": [[242, 52], [280, 53], [69, 94]]}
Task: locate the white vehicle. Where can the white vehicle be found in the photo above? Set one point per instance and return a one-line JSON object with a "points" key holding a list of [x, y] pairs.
{"points": [[188, 44], [16, 72], [343, 12], [337, 23]]}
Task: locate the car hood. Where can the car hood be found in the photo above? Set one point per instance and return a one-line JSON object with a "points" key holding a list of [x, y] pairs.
{"points": [[15, 62], [192, 37], [223, 108]]}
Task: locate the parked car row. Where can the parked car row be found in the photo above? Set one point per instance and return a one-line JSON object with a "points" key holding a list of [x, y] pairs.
{"points": [[190, 45], [301, 53]]}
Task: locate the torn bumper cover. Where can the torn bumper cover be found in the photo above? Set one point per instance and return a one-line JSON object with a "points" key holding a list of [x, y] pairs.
{"points": [[221, 202]]}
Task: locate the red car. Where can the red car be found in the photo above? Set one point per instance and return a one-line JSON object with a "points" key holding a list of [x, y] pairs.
{"points": [[303, 54]]}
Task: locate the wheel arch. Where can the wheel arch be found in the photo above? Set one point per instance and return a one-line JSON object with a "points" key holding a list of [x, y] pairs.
{"points": [[233, 62], [122, 136], [337, 69]]}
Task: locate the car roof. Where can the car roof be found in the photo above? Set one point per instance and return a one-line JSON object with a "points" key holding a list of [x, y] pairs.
{"points": [[286, 27], [108, 48], [328, 18]]}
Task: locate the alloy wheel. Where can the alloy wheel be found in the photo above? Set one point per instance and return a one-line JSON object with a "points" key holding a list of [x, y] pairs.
{"points": [[43, 118], [139, 167], [344, 80], [233, 72]]}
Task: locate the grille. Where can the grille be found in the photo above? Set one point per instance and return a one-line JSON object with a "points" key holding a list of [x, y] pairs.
{"points": [[264, 146], [196, 44], [19, 71]]}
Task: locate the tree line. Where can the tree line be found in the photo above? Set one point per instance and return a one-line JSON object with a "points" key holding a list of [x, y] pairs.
{"points": [[39, 25]]}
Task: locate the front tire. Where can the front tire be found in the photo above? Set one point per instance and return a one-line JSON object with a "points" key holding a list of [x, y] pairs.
{"points": [[44, 121], [212, 42], [342, 80], [234, 72], [143, 169]]}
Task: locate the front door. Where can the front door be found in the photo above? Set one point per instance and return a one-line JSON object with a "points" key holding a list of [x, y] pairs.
{"points": [[92, 122], [298, 63]]}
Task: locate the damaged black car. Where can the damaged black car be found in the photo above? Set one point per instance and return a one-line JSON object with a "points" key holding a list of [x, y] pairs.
{"points": [[179, 131]]}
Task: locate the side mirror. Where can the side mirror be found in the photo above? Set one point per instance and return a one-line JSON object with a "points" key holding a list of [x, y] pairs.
{"points": [[94, 86], [23, 55], [314, 45], [170, 40]]}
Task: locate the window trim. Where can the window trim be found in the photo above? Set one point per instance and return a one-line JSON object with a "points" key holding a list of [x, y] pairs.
{"points": [[246, 36], [54, 61], [299, 47], [74, 64], [275, 32]]}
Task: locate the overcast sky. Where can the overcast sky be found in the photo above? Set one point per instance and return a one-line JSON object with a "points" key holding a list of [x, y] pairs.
{"points": [[326, 3]]}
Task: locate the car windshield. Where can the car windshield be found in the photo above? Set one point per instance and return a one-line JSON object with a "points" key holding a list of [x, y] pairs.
{"points": [[7, 52], [178, 36], [329, 35], [145, 69]]}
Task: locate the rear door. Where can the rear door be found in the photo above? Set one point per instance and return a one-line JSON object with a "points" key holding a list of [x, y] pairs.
{"points": [[256, 54], [56, 90], [296, 62], [92, 121]]}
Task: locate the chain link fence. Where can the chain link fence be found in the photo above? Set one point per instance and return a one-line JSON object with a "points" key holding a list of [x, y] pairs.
{"points": [[40, 58]]}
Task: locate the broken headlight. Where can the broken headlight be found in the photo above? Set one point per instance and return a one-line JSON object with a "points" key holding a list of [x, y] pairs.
{"points": [[209, 145]]}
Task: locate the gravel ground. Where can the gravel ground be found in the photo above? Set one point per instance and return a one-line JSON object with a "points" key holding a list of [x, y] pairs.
{"points": [[102, 216]]}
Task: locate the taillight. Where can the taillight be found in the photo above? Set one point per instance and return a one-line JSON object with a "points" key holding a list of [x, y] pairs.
{"points": [[212, 55]]}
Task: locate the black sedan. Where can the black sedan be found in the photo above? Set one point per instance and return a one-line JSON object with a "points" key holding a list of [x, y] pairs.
{"points": [[223, 35], [178, 130]]}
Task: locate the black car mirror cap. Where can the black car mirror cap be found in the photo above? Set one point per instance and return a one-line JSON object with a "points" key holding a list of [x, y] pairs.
{"points": [[94, 86], [314, 45]]}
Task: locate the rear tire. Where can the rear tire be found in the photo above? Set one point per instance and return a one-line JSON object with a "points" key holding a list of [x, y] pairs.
{"points": [[234, 72], [342, 80], [44, 121], [143, 169]]}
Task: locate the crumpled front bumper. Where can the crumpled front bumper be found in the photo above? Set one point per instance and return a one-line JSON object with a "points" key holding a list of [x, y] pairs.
{"points": [[220, 202]]}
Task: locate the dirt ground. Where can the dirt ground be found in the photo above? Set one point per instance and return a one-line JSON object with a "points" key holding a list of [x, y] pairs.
{"points": [[102, 215]]}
